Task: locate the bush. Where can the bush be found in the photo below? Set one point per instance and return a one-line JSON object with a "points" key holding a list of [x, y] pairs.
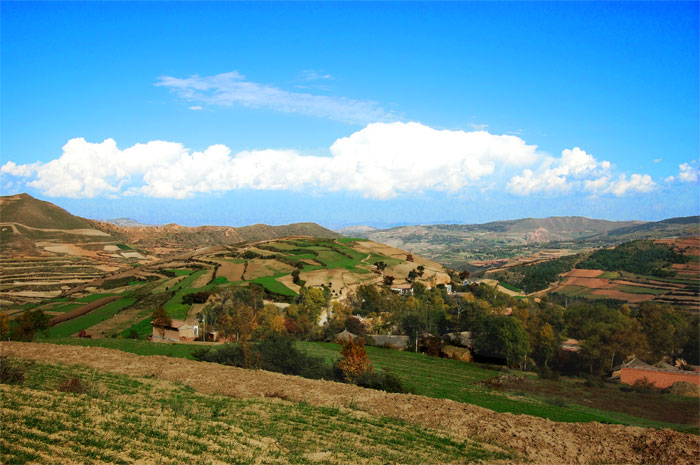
{"points": [[13, 370], [228, 354], [547, 373], [354, 361], [133, 334], [73, 385], [594, 381], [196, 298], [381, 380], [278, 353], [432, 345], [275, 353]]}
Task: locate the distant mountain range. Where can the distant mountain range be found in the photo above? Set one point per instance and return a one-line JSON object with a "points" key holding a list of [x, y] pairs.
{"points": [[457, 244], [28, 222]]}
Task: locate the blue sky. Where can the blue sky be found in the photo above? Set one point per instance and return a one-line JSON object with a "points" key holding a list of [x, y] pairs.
{"points": [[352, 113]]}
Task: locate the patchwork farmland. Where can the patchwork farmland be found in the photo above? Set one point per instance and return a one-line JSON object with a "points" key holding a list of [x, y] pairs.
{"points": [[279, 267], [680, 287]]}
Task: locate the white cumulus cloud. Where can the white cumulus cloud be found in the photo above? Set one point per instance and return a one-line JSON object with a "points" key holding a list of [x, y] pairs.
{"points": [[688, 172], [227, 89], [559, 174], [621, 185], [380, 161]]}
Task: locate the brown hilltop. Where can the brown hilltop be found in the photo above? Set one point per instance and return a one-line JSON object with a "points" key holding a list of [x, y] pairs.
{"points": [[28, 222]]}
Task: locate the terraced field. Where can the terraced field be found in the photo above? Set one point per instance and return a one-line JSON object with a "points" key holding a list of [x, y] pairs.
{"points": [[510, 438], [112, 418]]}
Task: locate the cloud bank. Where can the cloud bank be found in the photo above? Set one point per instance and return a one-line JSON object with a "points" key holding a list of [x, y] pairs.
{"points": [[381, 161], [576, 169], [228, 89]]}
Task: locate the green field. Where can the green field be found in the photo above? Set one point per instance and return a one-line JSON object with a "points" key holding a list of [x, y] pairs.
{"points": [[122, 419], [510, 287], [90, 319], [65, 308], [274, 286], [460, 381], [176, 309], [94, 297], [465, 382], [641, 290], [180, 272], [143, 328], [610, 275]]}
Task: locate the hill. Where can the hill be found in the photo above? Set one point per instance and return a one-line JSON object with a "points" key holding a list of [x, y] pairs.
{"points": [[34, 213], [281, 419], [33, 227], [665, 270], [278, 267], [126, 223], [475, 246]]}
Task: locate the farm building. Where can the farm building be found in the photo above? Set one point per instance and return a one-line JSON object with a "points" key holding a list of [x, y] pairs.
{"points": [[462, 339], [345, 336], [382, 340], [178, 331], [661, 376], [403, 289], [571, 345]]}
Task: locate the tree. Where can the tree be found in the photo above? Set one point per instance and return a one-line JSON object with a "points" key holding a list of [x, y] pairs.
{"points": [[28, 324], [271, 322], [409, 257], [388, 280], [420, 270], [463, 275], [381, 266], [161, 319], [412, 275], [355, 326], [354, 361], [503, 337]]}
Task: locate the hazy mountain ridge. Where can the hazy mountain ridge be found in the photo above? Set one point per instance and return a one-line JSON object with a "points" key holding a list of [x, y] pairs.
{"points": [[456, 244], [28, 220]]}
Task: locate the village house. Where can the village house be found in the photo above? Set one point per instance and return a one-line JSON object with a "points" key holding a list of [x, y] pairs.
{"points": [[661, 375], [177, 331], [403, 289]]}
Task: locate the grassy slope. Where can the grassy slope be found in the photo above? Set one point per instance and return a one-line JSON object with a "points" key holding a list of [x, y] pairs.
{"points": [[90, 319], [449, 379], [120, 419]]}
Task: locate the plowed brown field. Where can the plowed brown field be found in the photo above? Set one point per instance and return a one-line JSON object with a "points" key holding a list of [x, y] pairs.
{"points": [[540, 441]]}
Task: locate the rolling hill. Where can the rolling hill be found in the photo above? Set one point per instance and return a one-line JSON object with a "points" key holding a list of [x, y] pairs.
{"points": [[32, 227], [475, 245]]}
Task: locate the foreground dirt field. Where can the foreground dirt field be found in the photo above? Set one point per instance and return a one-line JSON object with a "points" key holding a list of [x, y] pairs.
{"points": [[538, 440]]}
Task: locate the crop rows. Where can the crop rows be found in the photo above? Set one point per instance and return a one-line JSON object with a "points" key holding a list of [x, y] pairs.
{"points": [[120, 419]]}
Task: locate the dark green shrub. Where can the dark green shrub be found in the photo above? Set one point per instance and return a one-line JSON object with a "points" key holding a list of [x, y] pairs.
{"points": [[13, 370], [279, 354], [547, 373], [381, 380], [228, 354], [73, 385]]}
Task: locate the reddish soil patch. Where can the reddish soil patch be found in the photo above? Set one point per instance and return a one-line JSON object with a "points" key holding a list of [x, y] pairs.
{"points": [[537, 440], [593, 283], [581, 273]]}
